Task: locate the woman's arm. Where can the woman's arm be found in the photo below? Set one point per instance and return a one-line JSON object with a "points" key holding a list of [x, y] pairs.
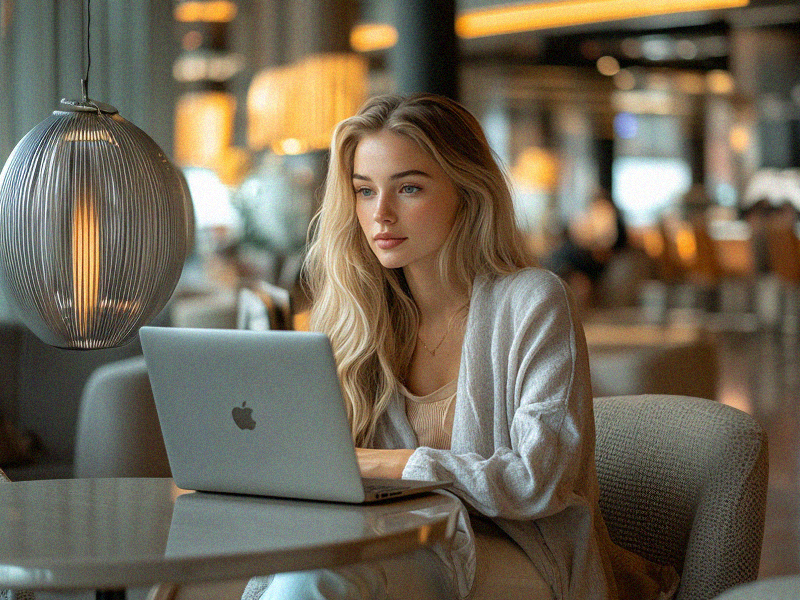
{"points": [[382, 463]]}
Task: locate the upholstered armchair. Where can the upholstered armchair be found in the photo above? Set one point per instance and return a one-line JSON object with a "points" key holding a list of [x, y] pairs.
{"points": [[118, 433], [683, 481]]}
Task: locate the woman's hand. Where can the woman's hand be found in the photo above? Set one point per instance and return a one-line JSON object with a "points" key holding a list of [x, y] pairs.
{"points": [[382, 463]]}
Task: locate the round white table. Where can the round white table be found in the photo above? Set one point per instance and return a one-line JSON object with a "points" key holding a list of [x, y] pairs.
{"points": [[111, 534]]}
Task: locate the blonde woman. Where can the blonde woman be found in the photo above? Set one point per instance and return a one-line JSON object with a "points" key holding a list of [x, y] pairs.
{"points": [[460, 361]]}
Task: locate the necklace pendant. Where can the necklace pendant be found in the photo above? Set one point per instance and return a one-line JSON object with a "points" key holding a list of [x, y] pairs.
{"points": [[432, 352]]}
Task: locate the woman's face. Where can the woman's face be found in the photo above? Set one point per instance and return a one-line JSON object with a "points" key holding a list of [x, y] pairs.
{"points": [[406, 204]]}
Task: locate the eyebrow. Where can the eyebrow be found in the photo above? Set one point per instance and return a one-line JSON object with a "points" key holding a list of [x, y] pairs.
{"points": [[399, 175]]}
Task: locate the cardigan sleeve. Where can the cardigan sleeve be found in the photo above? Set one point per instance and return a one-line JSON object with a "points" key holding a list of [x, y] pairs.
{"points": [[523, 440]]}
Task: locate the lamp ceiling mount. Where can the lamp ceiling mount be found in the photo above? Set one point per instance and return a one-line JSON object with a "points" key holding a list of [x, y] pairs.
{"points": [[87, 106]]}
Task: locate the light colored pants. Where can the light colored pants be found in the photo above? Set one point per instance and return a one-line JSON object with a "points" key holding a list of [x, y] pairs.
{"points": [[417, 575], [503, 572]]}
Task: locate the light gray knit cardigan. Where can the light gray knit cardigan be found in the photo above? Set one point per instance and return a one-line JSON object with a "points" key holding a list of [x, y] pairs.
{"points": [[523, 433], [522, 448]]}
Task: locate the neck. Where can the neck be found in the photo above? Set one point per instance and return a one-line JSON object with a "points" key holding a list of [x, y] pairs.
{"points": [[435, 298]]}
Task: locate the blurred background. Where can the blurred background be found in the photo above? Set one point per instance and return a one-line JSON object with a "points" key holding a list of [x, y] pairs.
{"points": [[653, 147], [648, 143], [661, 141]]}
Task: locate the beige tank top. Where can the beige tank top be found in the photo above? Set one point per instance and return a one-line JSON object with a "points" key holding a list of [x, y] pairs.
{"points": [[431, 416]]}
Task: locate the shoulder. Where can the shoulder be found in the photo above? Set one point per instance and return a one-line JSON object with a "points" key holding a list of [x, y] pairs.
{"points": [[525, 287], [528, 300]]}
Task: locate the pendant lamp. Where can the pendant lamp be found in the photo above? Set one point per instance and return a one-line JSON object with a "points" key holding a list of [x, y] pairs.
{"points": [[94, 227]]}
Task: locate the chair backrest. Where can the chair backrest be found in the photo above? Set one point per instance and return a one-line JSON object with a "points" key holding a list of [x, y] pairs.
{"points": [[118, 433], [215, 310], [683, 481], [263, 305], [253, 311]]}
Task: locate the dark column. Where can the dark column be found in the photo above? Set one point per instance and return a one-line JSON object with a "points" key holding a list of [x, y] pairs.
{"points": [[425, 58], [766, 66], [605, 160], [317, 26], [260, 33], [696, 141], [272, 33]]}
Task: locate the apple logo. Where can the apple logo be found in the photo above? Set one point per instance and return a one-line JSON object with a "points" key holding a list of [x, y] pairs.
{"points": [[243, 416]]}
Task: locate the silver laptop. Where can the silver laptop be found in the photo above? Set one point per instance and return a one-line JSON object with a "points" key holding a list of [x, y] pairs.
{"points": [[258, 412]]}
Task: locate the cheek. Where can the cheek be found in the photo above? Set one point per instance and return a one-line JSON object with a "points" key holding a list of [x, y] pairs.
{"points": [[366, 229], [442, 216], [362, 216]]}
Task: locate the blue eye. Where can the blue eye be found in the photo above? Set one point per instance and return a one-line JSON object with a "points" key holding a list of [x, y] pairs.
{"points": [[410, 189], [364, 191]]}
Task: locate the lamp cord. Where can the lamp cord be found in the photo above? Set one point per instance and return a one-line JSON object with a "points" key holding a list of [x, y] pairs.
{"points": [[85, 80]]}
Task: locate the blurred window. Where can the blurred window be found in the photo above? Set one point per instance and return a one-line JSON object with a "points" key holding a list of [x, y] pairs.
{"points": [[651, 170], [643, 186]]}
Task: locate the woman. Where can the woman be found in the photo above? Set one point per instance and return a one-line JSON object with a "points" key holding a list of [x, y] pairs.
{"points": [[460, 361]]}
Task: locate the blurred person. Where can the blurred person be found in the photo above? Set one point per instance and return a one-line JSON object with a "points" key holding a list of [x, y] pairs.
{"points": [[459, 360], [590, 242], [757, 217]]}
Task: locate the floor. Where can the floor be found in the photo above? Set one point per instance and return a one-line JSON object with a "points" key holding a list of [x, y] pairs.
{"points": [[760, 374]]}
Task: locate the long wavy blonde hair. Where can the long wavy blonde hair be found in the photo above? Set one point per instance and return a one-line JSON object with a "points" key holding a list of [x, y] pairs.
{"points": [[366, 309]]}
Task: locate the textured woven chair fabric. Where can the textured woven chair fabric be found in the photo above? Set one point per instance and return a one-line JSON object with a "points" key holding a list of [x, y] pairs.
{"points": [[683, 482]]}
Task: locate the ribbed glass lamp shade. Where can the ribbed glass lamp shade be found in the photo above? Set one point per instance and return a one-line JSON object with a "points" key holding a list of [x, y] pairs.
{"points": [[93, 227]]}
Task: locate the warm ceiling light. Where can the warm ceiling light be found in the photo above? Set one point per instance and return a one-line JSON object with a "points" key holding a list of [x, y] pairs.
{"points": [[608, 66], [208, 11], [720, 82], [545, 15], [739, 138], [203, 128], [294, 108], [367, 37]]}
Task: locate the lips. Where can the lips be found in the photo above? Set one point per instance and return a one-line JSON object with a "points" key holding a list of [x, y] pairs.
{"points": [[387, 241]]}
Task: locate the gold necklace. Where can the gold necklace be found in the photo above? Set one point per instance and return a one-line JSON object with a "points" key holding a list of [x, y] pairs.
{"points": [[444, 337], [441, 341]]}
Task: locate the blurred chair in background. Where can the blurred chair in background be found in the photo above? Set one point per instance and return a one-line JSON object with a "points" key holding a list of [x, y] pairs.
{"points": [[252, 312], [118, 433], [262, 305], [215, 309], [689, 262], [735, 244]]}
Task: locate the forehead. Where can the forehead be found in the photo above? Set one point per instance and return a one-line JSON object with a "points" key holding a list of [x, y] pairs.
{"points": [[389, 152]]}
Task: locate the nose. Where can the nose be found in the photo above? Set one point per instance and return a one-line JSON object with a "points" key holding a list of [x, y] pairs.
{"points": [[384, 210]]}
